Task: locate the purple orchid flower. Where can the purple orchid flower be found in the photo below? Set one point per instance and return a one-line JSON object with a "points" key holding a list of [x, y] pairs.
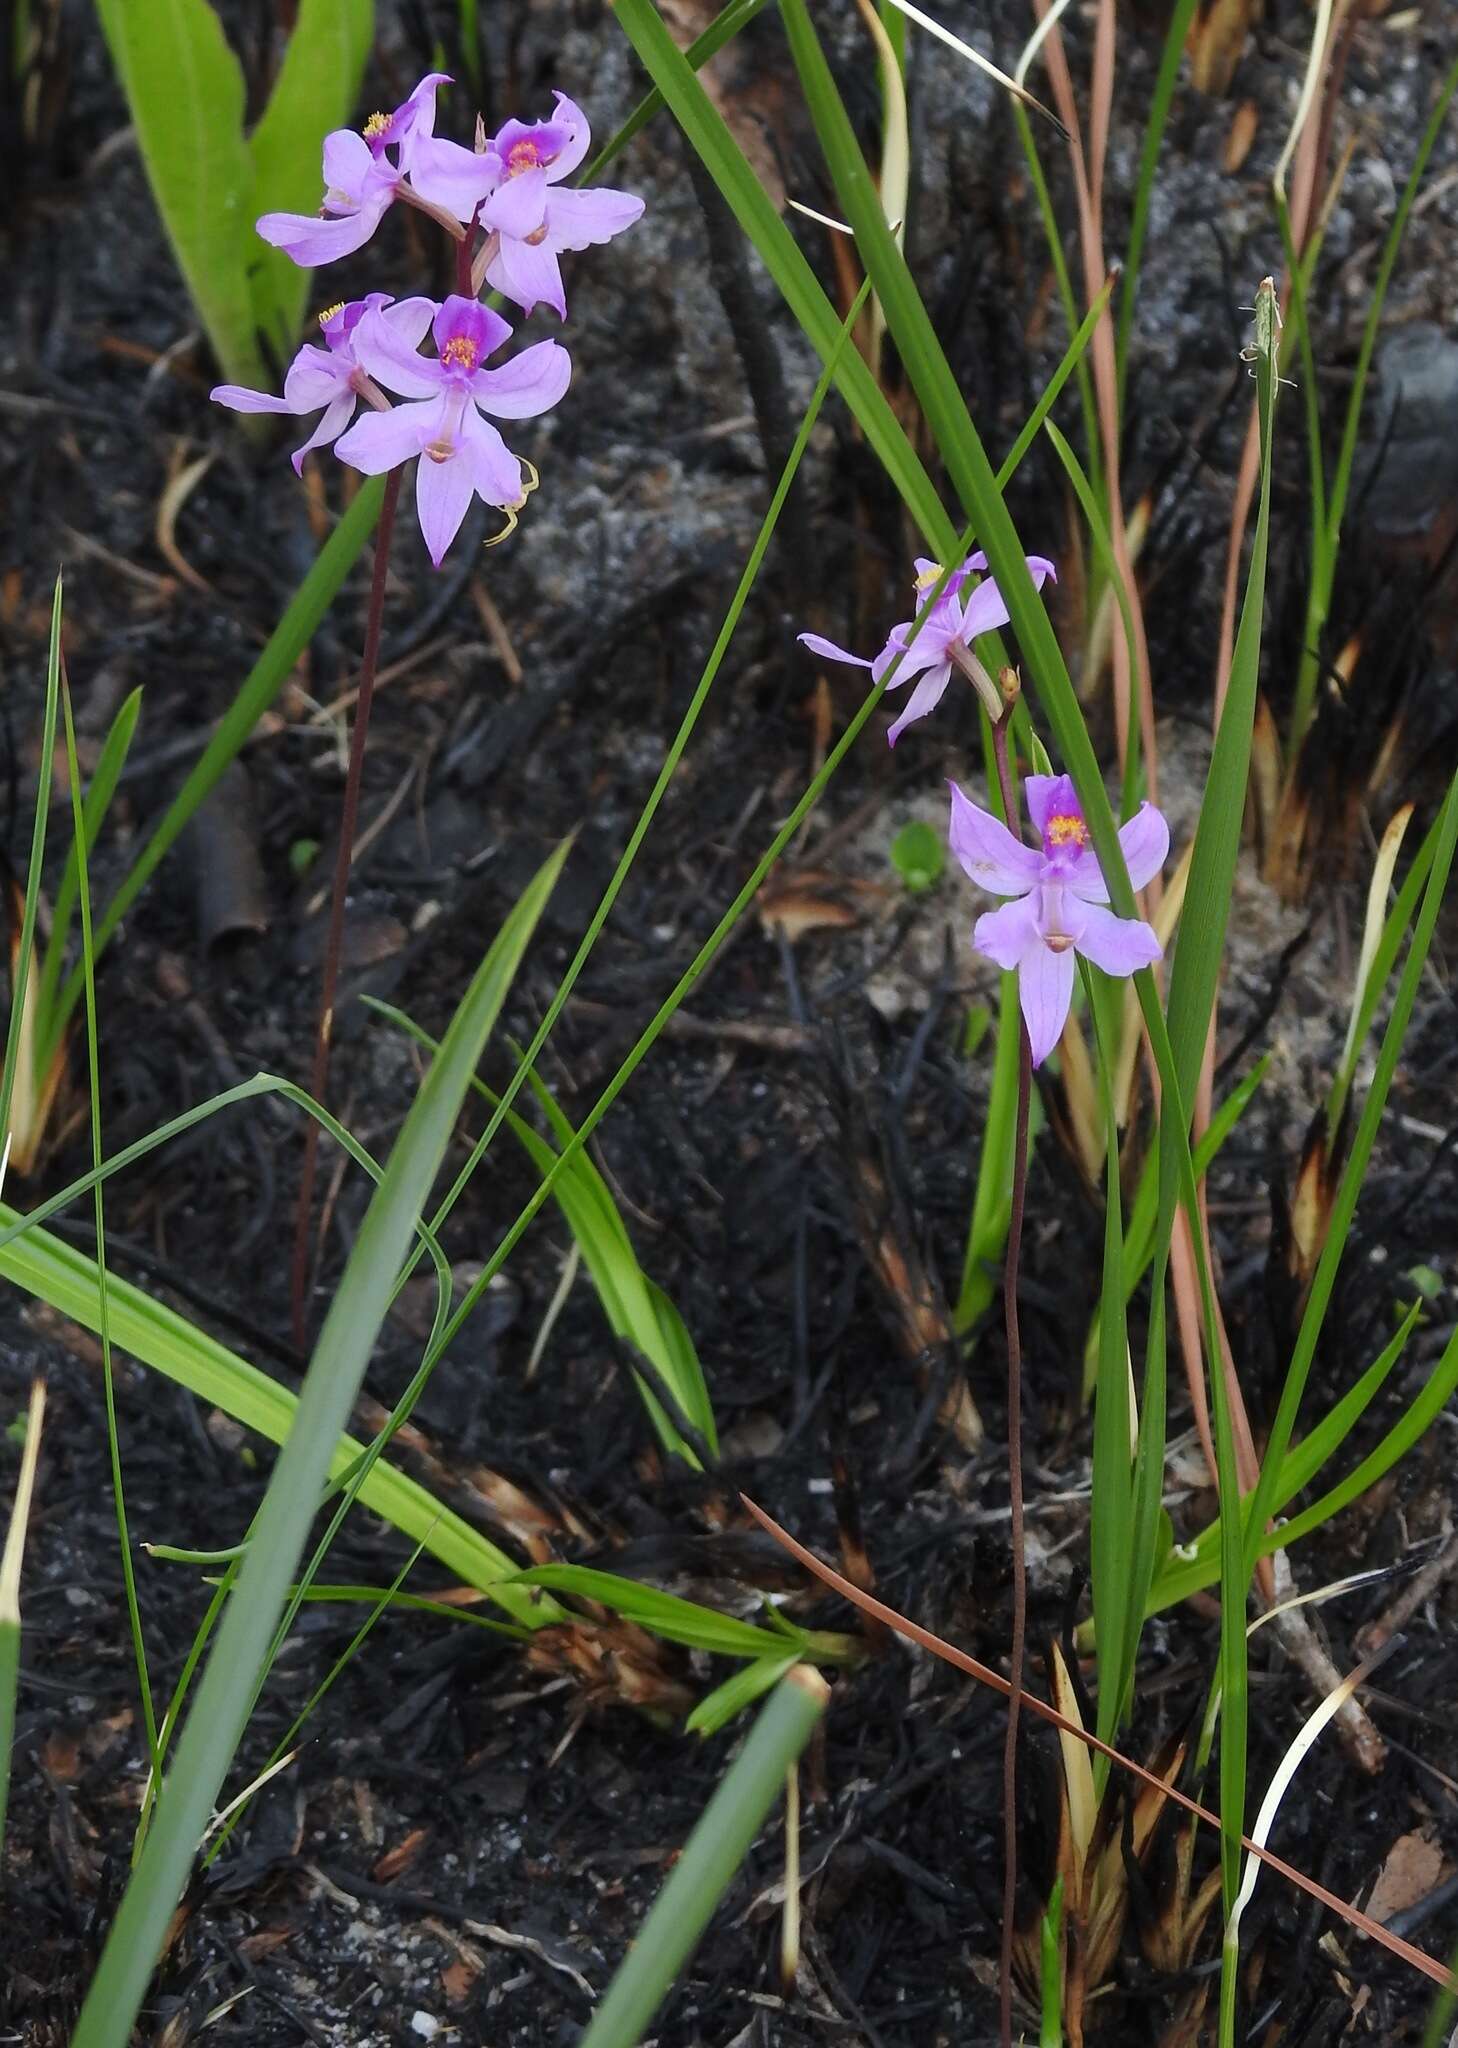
{"points": [[332, 377], [1060, 898], [461, 453], [361, 182], [532, 220], [944, 642]]}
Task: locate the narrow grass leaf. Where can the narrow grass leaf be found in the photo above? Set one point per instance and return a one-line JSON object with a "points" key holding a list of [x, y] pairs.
{"points": [[711, 1856]]}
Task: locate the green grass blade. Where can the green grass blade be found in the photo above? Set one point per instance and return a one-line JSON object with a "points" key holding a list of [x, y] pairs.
{"points": [[99, 793], [992, 1197], [711, 1856], [216, 1721], [261, 687], [20, 977], [1398, 918], [1344, 1208], [1053, 236], [93, 1075], [726, 164], [666, 1614], [726, 24], [1111, 1516]]}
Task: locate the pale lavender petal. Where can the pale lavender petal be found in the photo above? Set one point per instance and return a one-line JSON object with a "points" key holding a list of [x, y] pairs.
{"points": [[1050, 796], [463, 319], [316, 376], [578, 220], [528, 275], [989, 854], [1145, 840], [408, 318], [976, 563], [1117, 944], [494, 470], [448, 176], [381, 440], [529, 384], [986, 609], [311, 241], [518, 206], [443, 491], [1009, 935], [570, 116], [415, 119], [332, 423], [383, 348], [818, 644], [926, 651], [923, 700], [1045, 990], [349, 164], [241, 399]]}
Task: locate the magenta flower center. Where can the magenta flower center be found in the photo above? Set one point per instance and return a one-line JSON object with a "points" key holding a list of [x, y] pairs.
{"points": [[460, 353], [1066, 828]]}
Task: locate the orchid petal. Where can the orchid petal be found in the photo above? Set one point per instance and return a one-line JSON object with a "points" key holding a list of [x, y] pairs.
{"points": [[529, 384], [316, 376], [1007, 936], [569, 115], [923, 700], [409, 319], [1119, 945], [495, 472], [443, 173], [529, 275], [382, 440], [241, 399], [443, 491], [414, 119], [818, 644], [926, 651], [332, 423], [1045, 990], [349, 164], [311, 241], [989, 853], [1145, 841], [518, 206], [579, 220], [383, 349]]}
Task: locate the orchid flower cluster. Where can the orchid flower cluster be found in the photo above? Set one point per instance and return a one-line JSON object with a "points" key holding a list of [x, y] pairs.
{"points": [[1057, 896], [505, 206]]}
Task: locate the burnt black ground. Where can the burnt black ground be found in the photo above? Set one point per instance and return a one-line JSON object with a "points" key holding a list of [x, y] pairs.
{"points": [[736, 1166]]}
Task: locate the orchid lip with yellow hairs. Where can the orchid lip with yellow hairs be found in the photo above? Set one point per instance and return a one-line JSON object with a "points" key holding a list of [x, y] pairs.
{"points": [[945, 640], [1059, 903]]}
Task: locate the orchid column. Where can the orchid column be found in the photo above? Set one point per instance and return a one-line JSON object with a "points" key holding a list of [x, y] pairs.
{"points": [[509, 216]]}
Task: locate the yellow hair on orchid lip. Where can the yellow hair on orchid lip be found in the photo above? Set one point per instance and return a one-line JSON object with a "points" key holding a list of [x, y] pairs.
{"points": [[929, 576], [331, 313], [376, 125], [1065, 829]]}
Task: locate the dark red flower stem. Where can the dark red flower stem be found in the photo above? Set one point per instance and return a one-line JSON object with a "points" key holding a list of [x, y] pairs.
{"points": [[1014, 1442], [334, 945]]}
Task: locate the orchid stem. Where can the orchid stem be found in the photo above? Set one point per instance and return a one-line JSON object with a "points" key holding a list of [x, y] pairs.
{"points": [[334, 945], [1014, 1441]]}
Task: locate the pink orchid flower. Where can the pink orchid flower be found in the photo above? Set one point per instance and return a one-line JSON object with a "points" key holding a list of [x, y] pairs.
{"points": [[331, 377], [461, 454], [532, 220], [1060, 898], [944, 642], [361, 182]]}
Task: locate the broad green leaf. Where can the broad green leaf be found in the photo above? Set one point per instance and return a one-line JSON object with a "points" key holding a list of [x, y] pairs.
{"points": [[184, 88], [315, 91]]}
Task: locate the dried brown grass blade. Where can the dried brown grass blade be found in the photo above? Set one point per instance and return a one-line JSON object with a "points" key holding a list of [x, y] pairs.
{"points": [[1428, 1966]]}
